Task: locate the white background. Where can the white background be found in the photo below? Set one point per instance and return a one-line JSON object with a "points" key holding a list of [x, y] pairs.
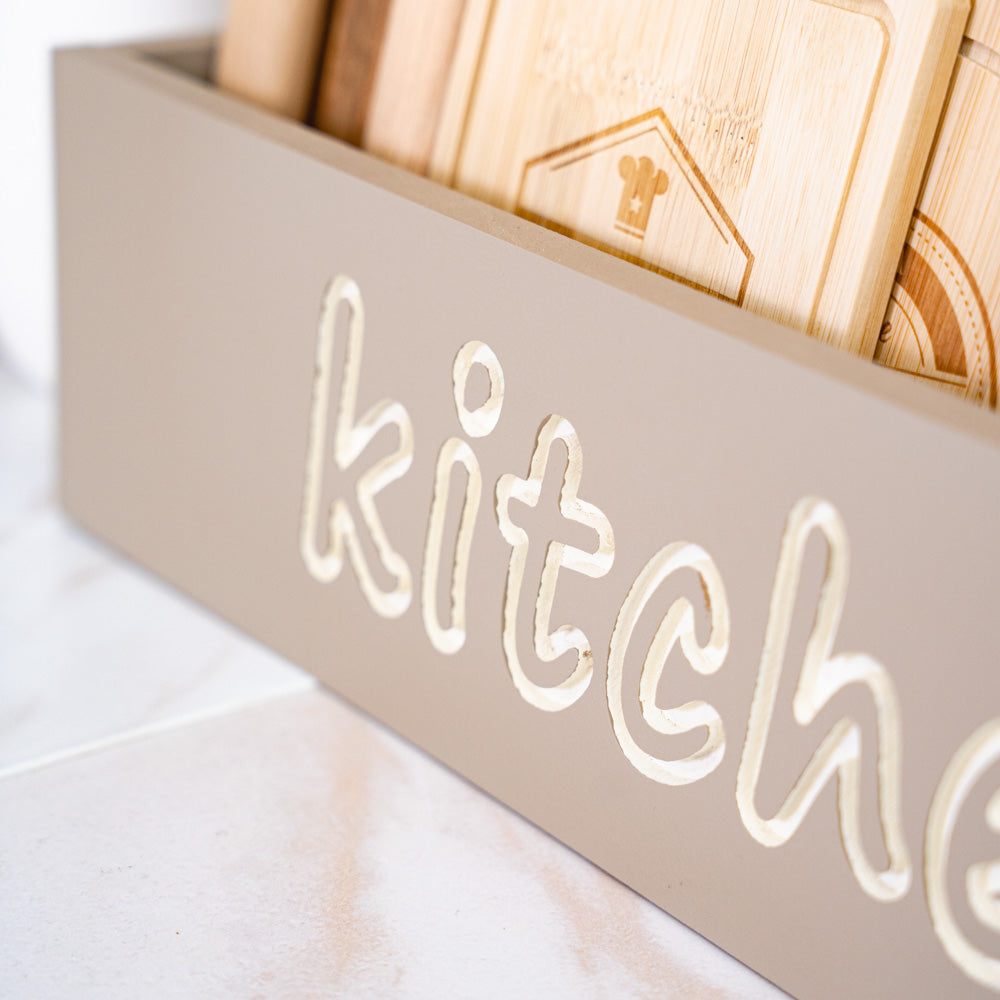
{"points": [[29, 30]]}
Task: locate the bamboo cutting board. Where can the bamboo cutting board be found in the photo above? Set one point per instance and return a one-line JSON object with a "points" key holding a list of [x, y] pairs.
{"points": [[269, 52], [767, 152], [357, 29], [944, 313], [384, 75]]}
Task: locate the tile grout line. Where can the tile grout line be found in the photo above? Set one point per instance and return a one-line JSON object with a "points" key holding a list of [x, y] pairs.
{"points": [[139, 733]]}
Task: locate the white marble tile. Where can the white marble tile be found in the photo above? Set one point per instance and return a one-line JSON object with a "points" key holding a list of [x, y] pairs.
{"points": [[296, 850], [92, 647], [26, 429]]}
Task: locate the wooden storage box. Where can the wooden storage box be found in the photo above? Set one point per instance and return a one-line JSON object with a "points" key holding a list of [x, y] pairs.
{"points": [[349, 409]]}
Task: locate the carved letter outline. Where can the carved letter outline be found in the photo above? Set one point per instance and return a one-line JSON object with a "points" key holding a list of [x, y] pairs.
{"points": [[822, 677], [678, 623], [478, 422], [979, 753], [351, 438], [550, 645]]}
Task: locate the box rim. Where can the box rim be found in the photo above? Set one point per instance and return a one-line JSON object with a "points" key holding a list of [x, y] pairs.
{"points": [[154, 64]]}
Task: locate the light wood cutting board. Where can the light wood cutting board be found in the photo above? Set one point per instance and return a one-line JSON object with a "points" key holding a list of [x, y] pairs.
{"points": [[384, 74], [269, 52], [767, 152], [944, 315]]}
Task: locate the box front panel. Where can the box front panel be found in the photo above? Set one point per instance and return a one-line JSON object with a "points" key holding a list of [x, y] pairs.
{"points": [[699, 611]]}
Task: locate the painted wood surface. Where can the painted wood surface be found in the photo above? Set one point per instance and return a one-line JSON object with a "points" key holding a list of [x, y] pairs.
{"points": [[768, 153], [269, 52], [722, 449], [295, 351], [386, 66], [944, 314]]}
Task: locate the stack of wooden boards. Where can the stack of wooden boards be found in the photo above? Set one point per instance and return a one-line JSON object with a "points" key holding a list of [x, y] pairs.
{"points": [[770, 152]]}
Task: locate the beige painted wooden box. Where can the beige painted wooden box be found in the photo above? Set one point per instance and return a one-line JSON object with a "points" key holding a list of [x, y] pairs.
{"points": [[714, 604]]}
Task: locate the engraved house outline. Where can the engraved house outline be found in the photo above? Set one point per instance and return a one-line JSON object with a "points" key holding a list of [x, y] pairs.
{"points": [[877, 11], [675, 151]]}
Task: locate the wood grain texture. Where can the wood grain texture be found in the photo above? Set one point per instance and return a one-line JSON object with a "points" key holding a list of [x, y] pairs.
{"points": [[384, 74], [944, 315], [410, 82], [768, 152], [357, 28], [269, 52], [984, 24]]}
